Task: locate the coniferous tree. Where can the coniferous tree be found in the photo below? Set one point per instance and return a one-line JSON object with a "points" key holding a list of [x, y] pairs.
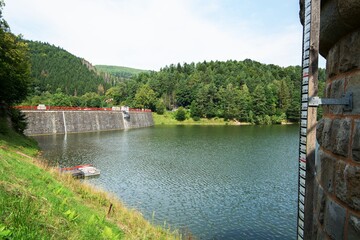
{"points": [[260, 107]]}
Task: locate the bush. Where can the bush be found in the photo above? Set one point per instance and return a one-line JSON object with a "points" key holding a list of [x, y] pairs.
{"points": [[180, 114], [160, 107], [267, 120], [278, 119], [196, 118], [18, 120], [3, 125]]}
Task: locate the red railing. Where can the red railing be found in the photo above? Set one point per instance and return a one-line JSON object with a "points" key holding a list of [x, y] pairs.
{"points": [[56, 108], [75, 168], [139, 110]]}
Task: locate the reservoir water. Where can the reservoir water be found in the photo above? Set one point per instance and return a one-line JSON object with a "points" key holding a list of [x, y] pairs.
{"points": [[217, 182]]}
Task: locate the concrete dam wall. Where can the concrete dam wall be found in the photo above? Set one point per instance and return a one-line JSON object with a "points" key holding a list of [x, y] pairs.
{"points": [[60, 122]]}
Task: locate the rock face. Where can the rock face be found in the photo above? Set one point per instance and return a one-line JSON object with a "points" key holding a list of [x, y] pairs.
{"points": [[58, 122], [337, 202]]}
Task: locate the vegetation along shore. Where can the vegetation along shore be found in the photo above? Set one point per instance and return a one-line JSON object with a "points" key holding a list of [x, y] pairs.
{"points": [[37, 202]]}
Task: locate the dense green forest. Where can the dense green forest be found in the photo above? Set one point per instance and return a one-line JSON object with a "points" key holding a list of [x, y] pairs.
{"points": [[120, 72], [246, 91], [54, 68], [241, 90]]}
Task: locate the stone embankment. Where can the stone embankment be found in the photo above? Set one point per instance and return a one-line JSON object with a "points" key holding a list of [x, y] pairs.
{"points": [[60, 122]]}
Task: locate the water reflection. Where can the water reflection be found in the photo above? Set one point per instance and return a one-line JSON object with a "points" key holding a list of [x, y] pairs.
{"points": [[217, 182]]}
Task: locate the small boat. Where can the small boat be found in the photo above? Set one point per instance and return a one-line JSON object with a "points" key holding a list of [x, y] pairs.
{"points": [[89, 171], [81, 171]]}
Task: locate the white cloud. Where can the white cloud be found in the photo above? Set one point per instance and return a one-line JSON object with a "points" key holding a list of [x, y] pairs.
{"points": [[147, 34]]}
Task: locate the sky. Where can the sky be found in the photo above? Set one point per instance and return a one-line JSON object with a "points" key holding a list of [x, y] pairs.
{"points": [[151, 34]]}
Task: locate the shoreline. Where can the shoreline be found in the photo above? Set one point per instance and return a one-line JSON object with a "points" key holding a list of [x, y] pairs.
{"points": [[54, 198], [167, 119]]}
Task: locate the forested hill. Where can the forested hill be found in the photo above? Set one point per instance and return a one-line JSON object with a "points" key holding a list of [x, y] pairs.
{"points": [[53, 67], [120, 72], [244, 90]]}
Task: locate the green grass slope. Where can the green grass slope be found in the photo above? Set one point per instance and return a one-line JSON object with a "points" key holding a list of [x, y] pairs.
{"points": [[37, 202]]}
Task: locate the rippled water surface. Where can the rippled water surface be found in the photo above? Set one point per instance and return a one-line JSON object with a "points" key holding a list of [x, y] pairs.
{"points": [[222, 182]]}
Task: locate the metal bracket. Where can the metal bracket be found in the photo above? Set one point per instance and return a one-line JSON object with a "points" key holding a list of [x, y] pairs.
{"points": [[346, 100]]}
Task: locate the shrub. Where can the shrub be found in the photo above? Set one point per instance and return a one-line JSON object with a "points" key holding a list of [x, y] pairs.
{"points": [[180, 114], [18, 120], [160, 107], [196, 118]]}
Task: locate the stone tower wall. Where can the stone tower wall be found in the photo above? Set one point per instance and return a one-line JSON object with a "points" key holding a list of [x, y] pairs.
{"points": [[337, 184]]}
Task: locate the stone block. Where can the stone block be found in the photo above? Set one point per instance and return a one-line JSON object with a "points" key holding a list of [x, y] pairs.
{"points": [[323, 132], [354, 228], [334, 219], [332, 61], [347, 180], [353, 85], [340, 136], [317, 161], [327, 91], [356, 141], [349, 11], [331, 29], [349, 52], [315, 226], [338, 18], [336, 91], [325, 171], [319, 129], [319, 204], [320, 235]]}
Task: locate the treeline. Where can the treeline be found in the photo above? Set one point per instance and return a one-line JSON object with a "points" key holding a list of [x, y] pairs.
{"points": [[238, 90], [242, 90]]}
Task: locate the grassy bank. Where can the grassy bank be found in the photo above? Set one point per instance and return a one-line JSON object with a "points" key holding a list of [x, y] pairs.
{"points": [[168, 119], [36, 202]]}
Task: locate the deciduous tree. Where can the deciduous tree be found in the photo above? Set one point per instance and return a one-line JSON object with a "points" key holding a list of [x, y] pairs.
{"points": [[145, 98], [14, 65]]}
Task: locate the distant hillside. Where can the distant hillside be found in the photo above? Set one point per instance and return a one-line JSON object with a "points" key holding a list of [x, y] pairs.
{"points": [[54, 67], [121, 72]]}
